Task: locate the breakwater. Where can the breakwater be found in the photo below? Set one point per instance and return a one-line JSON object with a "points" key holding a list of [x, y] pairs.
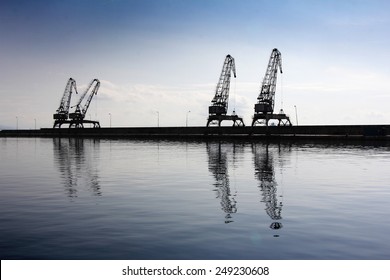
{"points": [[377, 132]]}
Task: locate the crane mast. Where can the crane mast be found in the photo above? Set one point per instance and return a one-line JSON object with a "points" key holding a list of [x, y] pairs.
{"points": [[264, 109], [62, 112], [266, 97], [80, 111], [219, 107]]}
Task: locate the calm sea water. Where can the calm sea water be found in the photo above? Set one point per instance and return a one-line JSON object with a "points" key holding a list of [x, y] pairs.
{"points": [[122, 199]]}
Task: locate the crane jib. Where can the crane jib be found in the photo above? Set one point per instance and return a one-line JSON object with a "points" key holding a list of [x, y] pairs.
{"points": [[268, 87]]}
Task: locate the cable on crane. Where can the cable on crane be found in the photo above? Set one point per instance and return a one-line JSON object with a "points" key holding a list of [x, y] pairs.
{"points": [[234, 97], [281, 91]]}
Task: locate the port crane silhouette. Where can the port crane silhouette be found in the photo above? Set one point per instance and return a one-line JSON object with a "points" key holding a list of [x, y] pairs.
{"points": [[219, 107], [77, 118], [264, 109], [62, 112]]}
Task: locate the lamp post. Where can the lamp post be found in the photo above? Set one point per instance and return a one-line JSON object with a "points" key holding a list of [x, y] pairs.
{"points": [[110, 118], [296, 114], [187, 118], [158, 118], [17, 123], [35, 124]]}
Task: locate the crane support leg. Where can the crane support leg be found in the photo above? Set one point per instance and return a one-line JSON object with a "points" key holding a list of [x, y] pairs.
{"points": [[217, 120], [76, 123], [263, 119]]}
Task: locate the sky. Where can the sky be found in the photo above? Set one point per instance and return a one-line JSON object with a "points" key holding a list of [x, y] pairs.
{"points": [[159, 61]]}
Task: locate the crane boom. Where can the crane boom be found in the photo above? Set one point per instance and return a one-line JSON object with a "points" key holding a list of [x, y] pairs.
{"points": [[220, 101], [63, 110], [266, 98], [93, 92], [80, 111]]}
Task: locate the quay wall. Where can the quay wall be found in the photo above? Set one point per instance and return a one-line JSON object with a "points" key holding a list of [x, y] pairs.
{"points": [[381, 132]]}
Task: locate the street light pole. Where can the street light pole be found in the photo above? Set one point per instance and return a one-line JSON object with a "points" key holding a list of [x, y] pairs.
{"points": [[187, 118], [110, 118], [158, 118], [296, 114], [17, 123]]}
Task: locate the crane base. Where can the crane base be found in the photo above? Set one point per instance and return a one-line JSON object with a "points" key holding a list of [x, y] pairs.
{"points": [[261, 119], [217, 119], [75, 123]]}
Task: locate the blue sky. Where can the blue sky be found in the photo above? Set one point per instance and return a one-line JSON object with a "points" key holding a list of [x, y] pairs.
{"points": [[166, 56]]}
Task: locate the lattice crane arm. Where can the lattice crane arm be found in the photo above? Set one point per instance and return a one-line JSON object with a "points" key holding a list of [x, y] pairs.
{"points": [[63, 110], [93, 92], [266, 97], [80, 111], [220, 101]]}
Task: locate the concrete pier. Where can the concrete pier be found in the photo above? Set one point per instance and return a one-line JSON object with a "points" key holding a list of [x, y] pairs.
{"points": [[372, 132]]}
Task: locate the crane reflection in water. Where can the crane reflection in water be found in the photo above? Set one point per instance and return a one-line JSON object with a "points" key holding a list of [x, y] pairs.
{"points": [[265, 173], [218, 166], [76, 165]]}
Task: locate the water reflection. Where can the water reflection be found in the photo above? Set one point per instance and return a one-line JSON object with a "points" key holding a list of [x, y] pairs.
{"points": [[265, 173], [218, 166], [77, 166]]}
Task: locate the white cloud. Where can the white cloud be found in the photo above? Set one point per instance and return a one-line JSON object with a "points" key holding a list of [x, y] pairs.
{"points": [[137, 105]]}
